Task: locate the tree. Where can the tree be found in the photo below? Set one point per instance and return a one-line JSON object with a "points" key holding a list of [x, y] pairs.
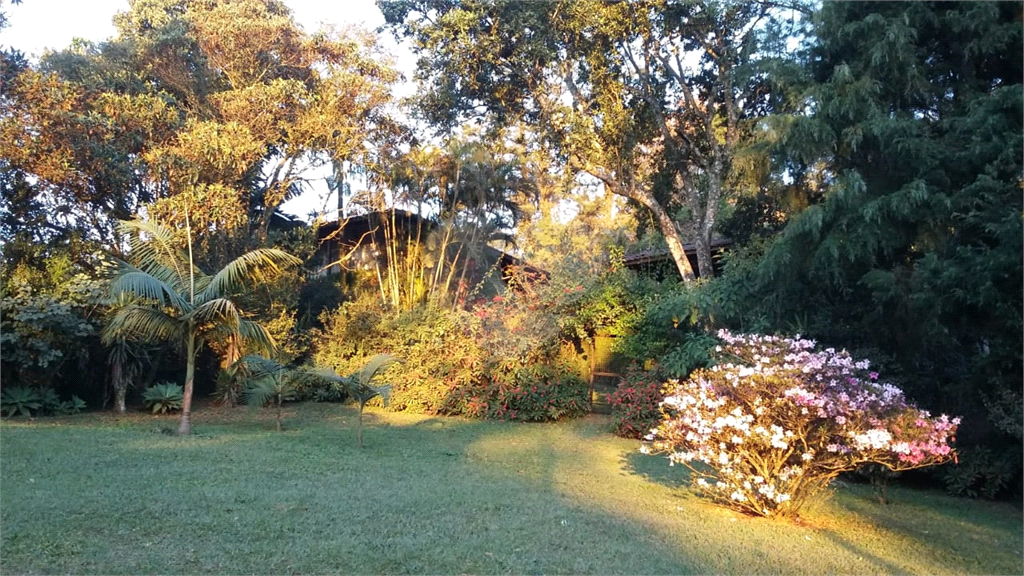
{"points": [[267, 381], [654, 99], [168, 298], [466, 196], [912, 142], [358, 385]]}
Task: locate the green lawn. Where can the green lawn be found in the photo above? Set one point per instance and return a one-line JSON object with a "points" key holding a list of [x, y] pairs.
{"points": [[114, 495]]}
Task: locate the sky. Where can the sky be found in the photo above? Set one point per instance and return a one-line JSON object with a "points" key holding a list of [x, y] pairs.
{"points": [[35, 26]]}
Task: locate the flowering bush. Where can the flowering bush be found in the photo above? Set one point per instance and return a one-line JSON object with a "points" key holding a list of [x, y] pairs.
{"points": [[636, 404], [778, 420]]}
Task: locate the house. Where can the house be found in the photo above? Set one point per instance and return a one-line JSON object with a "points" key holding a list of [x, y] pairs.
{"points": [[657, 262], [369, 242]]}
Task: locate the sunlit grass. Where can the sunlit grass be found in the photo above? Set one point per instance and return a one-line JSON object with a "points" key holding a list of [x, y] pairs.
{"points": [[114, 495]]}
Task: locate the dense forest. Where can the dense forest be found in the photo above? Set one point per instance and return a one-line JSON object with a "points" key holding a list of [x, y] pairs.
{"points": [[846, 172]]}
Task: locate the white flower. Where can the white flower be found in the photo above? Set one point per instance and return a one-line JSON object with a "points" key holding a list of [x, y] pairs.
{"points": [[807, 456]]}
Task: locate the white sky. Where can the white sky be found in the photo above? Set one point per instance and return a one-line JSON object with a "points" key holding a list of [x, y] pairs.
{"points": [[35, 26]]}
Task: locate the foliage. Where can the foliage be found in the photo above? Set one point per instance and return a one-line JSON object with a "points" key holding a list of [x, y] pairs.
{"points": [[224, 106], [48, 324], [636, 403], [484, 362], [983, 472], [911, 151], [166, 297], [163, 397], [72, 406], [465, 196], [775, 421], [359, 385], [20, 400], [23, 400], [267, 381], [605, 86], [537, 393]]}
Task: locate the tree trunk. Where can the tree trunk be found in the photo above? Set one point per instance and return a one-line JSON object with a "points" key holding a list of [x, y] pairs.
{"points": [[705, 264], [278, 412], [120, 392], [647, 199], [359, 427], [672, 239], [186, 400], [117, 381]]}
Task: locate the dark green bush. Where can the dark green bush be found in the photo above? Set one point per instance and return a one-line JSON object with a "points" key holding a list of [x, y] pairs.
{"points": [[20, 400]]}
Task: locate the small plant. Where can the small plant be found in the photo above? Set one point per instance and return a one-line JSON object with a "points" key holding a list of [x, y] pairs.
{"points": [[776, 421], [73, 406], [268, 381], [20, 400], [982, 472], [358, 385], [636, 404], [163, 398], [50, 401]]}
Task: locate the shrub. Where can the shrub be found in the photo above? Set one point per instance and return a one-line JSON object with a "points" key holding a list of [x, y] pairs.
{"points": [[73, 406], [534, 393], [777, 421], [20, 400], [162, 398], [636, 404], [983, 472], [483, 363]]}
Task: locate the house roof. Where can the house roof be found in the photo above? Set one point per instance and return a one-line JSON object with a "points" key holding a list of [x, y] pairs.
{"points": [[650, 255]]}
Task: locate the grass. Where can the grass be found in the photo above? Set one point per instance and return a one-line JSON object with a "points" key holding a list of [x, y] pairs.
{"points": [[114, 495]]}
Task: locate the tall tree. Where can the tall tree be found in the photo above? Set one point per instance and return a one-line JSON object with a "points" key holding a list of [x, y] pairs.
{"points": [[914, 141], [652, 98], [166, 297]]}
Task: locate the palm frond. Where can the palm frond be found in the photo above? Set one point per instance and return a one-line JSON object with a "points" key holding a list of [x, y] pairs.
{"points": [[374, 366], [219, 311], [266, 380], [132, 281], [258, 366], [256, 337], [145, 323], [157, 249], [254, 267], [258, 391]]}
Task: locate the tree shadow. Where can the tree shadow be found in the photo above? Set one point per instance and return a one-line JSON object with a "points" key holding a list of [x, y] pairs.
{"points": [[655, 468]]}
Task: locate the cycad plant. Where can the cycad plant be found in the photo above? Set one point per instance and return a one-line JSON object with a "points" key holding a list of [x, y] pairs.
{"points": [[166, 297], [359, 387], [268, 381]]}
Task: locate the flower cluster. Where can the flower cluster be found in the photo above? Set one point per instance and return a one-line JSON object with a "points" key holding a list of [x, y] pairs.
{"points": [[777, 420]]}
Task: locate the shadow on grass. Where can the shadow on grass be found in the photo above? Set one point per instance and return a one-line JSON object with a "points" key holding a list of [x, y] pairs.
{"points": [[425, 495], [958, 528], [655, 468]]}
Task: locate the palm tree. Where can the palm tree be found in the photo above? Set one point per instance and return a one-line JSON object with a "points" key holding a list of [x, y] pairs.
{"points": [[268, 381], [168, 298], [358, 385]]}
